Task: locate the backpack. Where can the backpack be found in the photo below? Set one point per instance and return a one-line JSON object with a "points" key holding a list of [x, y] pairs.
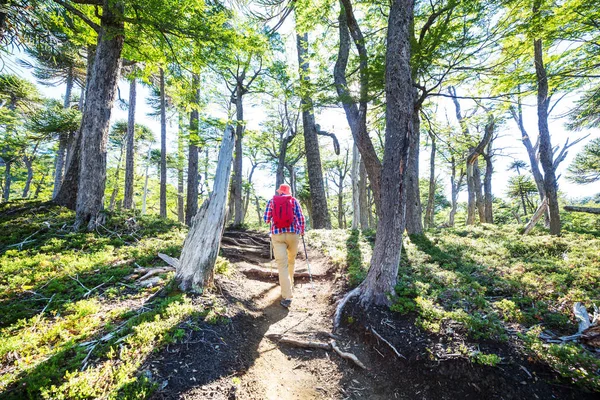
{"points": [[283, 211]]}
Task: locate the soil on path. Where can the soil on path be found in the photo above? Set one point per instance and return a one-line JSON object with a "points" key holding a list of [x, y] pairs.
{"points": [[235, 359]]}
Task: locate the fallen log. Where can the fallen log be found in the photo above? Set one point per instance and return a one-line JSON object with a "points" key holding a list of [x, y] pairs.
{"points": [[536, 216], [589, 210]]}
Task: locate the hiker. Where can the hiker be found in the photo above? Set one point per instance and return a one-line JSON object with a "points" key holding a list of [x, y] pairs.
{"points": [[287, 225]]}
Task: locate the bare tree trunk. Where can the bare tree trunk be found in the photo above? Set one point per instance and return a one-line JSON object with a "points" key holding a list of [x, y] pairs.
{"points": [[545, 151], [115, 192], [429, 211], [414, 213], [163, 147], [192, 181], [237, 178], [487, 185], [456, 183], [130, 155], [28, 161], [180, 162], [479, 201], [201, 245], [589, 210], [382, 275], [320, 212], [59, 162], [145, 195], [63, 138], [67, 192], [258, 211], [96, 117], [356, 214], [363, 199], [7, 180], [356, 114]]}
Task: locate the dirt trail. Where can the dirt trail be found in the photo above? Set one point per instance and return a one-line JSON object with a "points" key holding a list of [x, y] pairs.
{"points": [[236, 360]]}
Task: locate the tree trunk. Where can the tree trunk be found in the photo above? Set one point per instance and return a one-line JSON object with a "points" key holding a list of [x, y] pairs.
{"points": [[180, 162], [201, 245], [115, 192], [96, 117], [67, 191], [258, 211], [356, 114], [130, 156], [479, 201], [363, 200], [545, 150], [237, 178], [455, 184], [163, 147], [487, 185], [29, 165], [356, 214], [320, 213], [382, 275], [414, 213], [7, 180], [63, 138], [145, 195], [192, 180], [59, 163], [429, 211]]}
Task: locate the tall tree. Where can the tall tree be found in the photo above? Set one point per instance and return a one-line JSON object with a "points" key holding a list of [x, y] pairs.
{"points": [[130, 155], [192, 170], [163, 146]]}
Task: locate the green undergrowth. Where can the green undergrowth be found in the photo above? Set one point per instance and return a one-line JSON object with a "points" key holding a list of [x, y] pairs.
{"points": [[71, 325], [485, 282]]}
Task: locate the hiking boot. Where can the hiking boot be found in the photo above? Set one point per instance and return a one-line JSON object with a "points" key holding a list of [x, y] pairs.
{"points": [[286, 303]]}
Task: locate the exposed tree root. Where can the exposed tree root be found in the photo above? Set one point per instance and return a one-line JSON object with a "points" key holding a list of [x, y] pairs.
{"points": [[268, 274], [378, 336], [332, 345], [347, 356], [340, 307]]}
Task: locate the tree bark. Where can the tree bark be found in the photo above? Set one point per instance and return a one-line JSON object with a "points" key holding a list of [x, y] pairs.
{"points": [[145, 195], [545, 150], [192, 179], [69, 187], [130, 155], [63, 138], [180, 162], [96, 117], [474, 175], [59, 162], [163, 147], [7, 180], [363, 198], [487, 185], [429, 211], [414, 213], [590, 210], [356, 214], [115, 192], [237, 178], [356, 114], [201, 245], [382, 275], [320, 212]]}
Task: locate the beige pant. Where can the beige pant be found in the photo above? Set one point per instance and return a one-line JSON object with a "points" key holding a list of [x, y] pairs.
{"points": [[285, 248]]}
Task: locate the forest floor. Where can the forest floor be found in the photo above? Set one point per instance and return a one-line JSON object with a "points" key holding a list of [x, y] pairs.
{"points": [[75, 323]]}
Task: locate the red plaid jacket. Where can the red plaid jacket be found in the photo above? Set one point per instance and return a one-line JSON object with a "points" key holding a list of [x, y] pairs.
{"points": [[297, 224]]}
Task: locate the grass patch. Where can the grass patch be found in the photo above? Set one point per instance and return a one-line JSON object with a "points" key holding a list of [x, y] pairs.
{"points": [[70, 325]]}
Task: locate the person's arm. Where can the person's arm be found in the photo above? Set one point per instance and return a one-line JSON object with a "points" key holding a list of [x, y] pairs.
{"points": [[299, 217], [268, 212]]}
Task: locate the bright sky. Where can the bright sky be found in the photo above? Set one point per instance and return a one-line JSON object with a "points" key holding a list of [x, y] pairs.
{"points": [[334, 120]]}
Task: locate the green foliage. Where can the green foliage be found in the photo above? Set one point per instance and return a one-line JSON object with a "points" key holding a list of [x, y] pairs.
{"points": [[586, 166], [490, 360]]}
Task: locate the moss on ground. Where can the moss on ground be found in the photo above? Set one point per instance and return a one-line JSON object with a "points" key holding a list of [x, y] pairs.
{"points": [[71, 325]]}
